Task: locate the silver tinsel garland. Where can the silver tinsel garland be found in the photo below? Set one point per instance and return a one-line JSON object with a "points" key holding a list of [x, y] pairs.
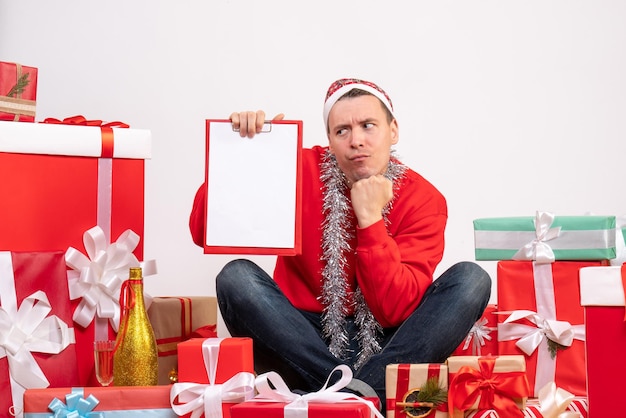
{"points": [[336, 236]]}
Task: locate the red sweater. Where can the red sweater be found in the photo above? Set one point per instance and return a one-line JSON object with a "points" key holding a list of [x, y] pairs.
{"points": [[393, 265]]}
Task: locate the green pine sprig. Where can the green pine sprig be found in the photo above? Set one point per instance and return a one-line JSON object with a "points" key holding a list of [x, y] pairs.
{"points": [[553, 347], [19, 87], [432, 392]]}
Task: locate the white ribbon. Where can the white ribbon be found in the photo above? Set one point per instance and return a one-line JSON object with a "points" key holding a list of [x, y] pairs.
{"points": [[545, 327], [97, 277], [298, 405], [530, 337], [538, 249], [554, 401], [25, 330], [207, 399], [477, 336]]}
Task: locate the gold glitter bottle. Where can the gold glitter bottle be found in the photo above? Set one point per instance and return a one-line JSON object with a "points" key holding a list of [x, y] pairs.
{"points": [[135, 359]]}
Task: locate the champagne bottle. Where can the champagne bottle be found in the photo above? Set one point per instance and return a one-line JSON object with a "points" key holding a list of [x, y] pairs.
{"points": [[135, 358]]}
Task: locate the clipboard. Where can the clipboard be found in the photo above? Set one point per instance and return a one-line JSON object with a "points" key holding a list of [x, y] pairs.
{"points": [[253, 189]]}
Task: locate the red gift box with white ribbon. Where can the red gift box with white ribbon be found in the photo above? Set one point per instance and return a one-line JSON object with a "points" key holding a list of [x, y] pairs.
{"points": [[37, 347], [542, 319], [61, 179], [213, 375], [482, 339], [276, 400]]}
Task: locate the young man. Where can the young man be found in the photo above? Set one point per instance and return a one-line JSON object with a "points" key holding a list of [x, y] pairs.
{"points": [[362, 291]]}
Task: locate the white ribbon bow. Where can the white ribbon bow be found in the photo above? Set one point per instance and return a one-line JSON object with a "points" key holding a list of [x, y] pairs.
{"points": [[97, 277], [298, 405], [29, 330], [538, 249], [554, 401], [529, 337], [477, 336], [207, 399]]}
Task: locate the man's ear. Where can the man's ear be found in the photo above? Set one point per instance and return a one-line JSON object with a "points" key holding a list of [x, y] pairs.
{"points": [[395, 132]]}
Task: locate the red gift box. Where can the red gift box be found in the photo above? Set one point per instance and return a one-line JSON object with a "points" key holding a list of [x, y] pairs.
{"points": [[18, 92], [126, 401], [602, 295], [235, 355], [403, 379], [544, 301], [275, 400], [58, 182], [482, 339], [36, 335], [552, 403], [253, 409], [225, 363]]}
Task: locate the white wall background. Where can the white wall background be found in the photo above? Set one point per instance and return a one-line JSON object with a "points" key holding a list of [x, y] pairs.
{"points": [[508, 107]]}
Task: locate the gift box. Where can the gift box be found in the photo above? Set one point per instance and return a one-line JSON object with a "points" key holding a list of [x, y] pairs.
{"points": [[18, 92], [545, 238], [487, 382], [253, 409], [403, 382], [275, 400], [553, 402], [173, 320], [213, 374], [234, 355], [59, 181], [483, 337], [112, 401], [602, 295], [545, 321], [37, 347]]}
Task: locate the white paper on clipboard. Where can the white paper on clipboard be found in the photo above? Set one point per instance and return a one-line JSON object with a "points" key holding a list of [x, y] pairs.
{"points": [[252, 183]]}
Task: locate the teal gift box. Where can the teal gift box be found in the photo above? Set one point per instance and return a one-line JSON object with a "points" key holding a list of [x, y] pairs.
{"points": [[545, 238]]}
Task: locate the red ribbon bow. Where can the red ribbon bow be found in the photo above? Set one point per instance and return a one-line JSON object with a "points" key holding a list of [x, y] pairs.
{"points": [[106, 128], [492, 390], [81, 120]]}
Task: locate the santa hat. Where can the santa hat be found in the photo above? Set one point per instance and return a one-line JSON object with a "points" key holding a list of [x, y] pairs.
{"points": [[344, 85]]}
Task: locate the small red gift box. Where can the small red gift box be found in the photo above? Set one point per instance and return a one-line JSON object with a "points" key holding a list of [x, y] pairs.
{"points": [[235, 355], [482, 339], [18, 92], [126, 401], [173, 320], [602, 295], [497, 382], [61, 180], [224, 362], [546, 321], [36, 335], [403, 380]]}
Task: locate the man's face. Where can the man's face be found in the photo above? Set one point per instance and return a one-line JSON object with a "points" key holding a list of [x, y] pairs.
{"points": [[360, 136]]}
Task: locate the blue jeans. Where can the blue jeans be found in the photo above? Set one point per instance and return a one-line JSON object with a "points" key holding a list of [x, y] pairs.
{"points": [[289, 341]]}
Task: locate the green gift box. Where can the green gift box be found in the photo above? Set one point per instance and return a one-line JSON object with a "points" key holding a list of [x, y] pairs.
{"points": [[545, 238]]}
